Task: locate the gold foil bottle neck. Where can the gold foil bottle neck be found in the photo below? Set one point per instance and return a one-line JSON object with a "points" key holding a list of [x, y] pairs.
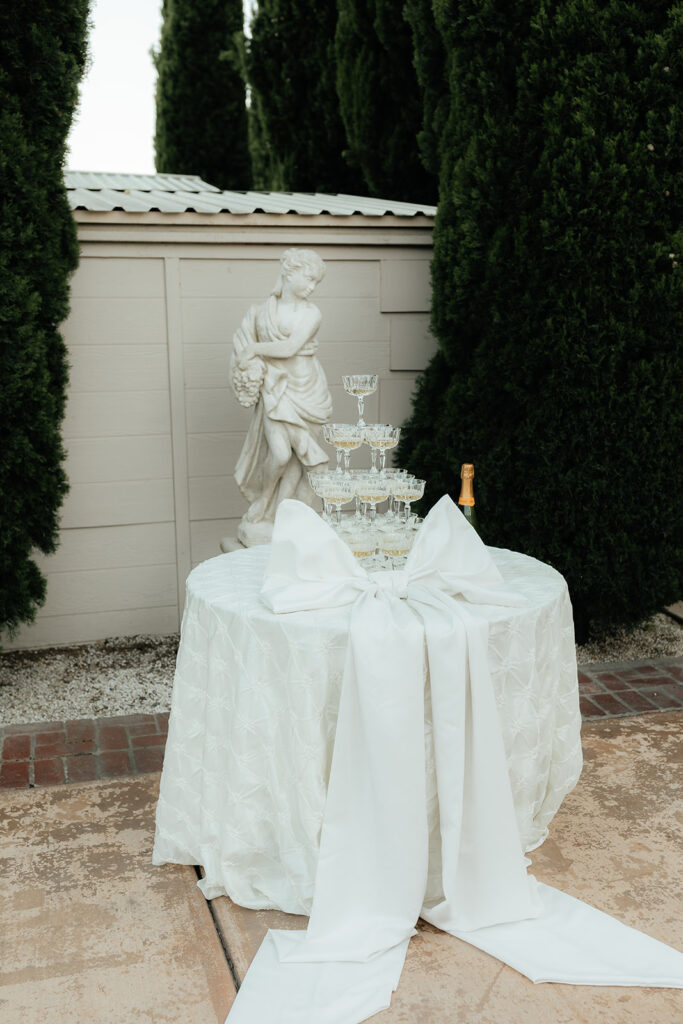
{"points": [[467, 489]]}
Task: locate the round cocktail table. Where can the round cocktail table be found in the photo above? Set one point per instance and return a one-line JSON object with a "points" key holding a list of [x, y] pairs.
{"points": [[253, 718]]}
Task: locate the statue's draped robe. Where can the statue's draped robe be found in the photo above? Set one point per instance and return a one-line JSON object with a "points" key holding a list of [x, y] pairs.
{"points": [[301, 404]]}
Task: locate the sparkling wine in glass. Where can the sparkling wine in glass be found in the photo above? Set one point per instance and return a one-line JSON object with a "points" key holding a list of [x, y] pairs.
{"points": [[363, 543], [381, 437], [395, 545], [392, 474], [371, 489], [346, 437], [339, 490], [361, 385], [408, 490]]}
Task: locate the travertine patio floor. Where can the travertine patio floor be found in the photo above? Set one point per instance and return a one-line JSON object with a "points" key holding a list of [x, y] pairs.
{"points": [[92, 933]]}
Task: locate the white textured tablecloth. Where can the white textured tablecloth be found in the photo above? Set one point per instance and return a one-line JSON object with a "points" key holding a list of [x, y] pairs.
{"points": [[253, 717]]}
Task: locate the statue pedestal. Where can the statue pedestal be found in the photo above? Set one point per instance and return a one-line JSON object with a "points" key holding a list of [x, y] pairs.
{"points": [[251, 534], [248, 535], [229, 544]]}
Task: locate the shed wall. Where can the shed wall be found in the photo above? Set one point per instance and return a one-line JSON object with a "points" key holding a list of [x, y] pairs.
{"points": [[152, 429]]}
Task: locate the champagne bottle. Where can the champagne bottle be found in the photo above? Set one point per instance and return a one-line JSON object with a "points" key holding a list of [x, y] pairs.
{"points": [[466, 499]]}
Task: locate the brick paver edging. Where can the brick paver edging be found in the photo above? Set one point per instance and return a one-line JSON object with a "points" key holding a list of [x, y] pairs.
{"points": [[49, 753], [630, 688]]}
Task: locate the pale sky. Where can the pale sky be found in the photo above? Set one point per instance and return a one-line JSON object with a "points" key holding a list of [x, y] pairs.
{"points": [[113, 129]]}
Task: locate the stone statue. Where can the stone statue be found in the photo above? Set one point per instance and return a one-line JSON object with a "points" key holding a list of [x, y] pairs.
{"points": [[275, 370]]}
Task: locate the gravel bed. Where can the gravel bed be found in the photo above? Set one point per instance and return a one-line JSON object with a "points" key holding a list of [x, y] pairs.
{"points": [[658, 637], [121, 676], [128, 675]]}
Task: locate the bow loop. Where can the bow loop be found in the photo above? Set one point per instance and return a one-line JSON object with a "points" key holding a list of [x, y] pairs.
{"points": [[309, 565]]}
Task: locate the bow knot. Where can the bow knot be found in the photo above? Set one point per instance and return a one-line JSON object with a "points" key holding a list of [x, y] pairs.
{"points": [[391, 581]]}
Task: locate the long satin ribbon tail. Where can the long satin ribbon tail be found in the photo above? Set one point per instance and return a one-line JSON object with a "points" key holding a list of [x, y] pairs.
{"points": [[576, 944], [314, 993]]}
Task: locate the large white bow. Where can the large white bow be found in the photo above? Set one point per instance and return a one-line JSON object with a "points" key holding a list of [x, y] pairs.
{"points": [[372, 868]]}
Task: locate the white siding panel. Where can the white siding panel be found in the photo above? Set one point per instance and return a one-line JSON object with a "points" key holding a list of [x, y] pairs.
{"points": [[406, 286], [206, 537], [412, 343], [352, 320], [129, 276], [215, 497], [56, 630], [111, 547], [93, 459], [99, 590], [207, 366], [100, 414], [340, 357], [258, 277], [213, 321], [118, 368], [213, 454], [395, 403], [115, 321], [228, 277], [215, 411], [113, 504], [349, 279]]}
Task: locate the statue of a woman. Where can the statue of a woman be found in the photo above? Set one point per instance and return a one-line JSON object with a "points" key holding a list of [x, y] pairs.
{"points": [[275, 368]]}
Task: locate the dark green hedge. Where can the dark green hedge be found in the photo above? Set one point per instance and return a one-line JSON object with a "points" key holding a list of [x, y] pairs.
{"points": [[291, 68], [558, 292], [201, 116], [380, 99], [42, 53]]}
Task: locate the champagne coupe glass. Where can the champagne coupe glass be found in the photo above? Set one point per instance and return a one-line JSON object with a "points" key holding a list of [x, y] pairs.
{"points": [[360, 385], [395, 545], [363, 544], [408, 490], [354, 474], [328, 435], [339, 490], [371, 489], [392, 475], [347, 437], [318, 481], [381, 437]]}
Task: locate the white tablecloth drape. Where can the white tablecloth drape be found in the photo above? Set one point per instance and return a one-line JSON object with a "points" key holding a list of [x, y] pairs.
{"points": [[254, 714], [371, 874]]}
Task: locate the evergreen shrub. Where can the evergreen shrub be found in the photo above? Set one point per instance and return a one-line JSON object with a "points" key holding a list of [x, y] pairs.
{"points": [[201, 114], [558, 292], [42, 54], [380, 99], [297, 134]]}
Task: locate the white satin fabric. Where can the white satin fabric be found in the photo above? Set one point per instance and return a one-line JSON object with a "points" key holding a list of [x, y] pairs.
{"points": [[374, 847]]}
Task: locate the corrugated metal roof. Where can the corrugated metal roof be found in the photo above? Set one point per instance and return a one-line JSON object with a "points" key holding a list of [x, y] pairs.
{"points": [[177, 193]]}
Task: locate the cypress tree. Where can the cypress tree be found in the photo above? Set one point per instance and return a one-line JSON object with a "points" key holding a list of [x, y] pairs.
{"points": [[201, 116], [297, 133], [380, 99], [558, 292], [42, 54], [429, 58]]}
